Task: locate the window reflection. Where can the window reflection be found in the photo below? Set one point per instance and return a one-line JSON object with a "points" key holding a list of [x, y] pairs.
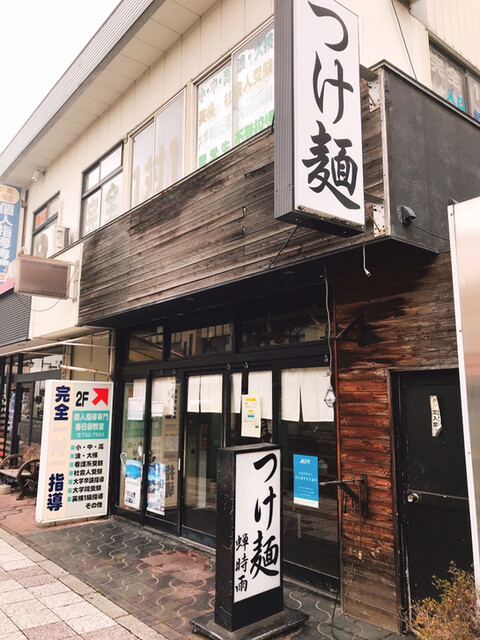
{"points": [[307, 428], [196, 342], [284, 328], [146, 344]]}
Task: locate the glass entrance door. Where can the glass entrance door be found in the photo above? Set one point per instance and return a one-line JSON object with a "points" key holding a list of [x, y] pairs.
{"points": [[29, 430], [203, 436], [162, 473], [132, 453], [148, 485], [307, 434]]}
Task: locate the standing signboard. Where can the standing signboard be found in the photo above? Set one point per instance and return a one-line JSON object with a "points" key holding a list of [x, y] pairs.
{"points": [[10, 200], [318, 133], [75, 450], [249, 581]]}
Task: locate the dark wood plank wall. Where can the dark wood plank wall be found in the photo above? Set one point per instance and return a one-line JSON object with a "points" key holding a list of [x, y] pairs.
{"points": [[409, 323], [214, 227]]}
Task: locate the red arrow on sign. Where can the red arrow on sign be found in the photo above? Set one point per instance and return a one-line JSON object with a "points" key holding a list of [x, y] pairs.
{"points": [[102, 394]]}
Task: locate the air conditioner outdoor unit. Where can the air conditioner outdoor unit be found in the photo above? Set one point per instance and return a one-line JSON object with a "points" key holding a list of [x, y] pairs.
{"points": [[37, 276], [51, 240]]}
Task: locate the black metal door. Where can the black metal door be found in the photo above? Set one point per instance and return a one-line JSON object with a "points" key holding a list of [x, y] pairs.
{"points": [[435, 522]]}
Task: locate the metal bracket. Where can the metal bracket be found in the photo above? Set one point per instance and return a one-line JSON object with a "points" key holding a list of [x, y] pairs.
{"points": [[374, 95], [356, 323], [361, 498]]}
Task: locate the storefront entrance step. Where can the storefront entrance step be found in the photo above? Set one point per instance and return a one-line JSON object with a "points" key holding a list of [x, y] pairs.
{"points": [[282, 622]]}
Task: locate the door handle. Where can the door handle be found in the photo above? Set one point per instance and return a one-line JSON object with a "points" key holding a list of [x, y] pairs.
{"points": [[413, 497]]}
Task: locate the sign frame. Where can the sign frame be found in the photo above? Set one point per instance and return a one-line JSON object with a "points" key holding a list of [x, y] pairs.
{"points": [[318, 135], [10, 205], [75, 450]]}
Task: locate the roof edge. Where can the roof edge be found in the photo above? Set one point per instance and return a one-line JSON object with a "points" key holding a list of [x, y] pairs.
{"points": [[125, 20]]}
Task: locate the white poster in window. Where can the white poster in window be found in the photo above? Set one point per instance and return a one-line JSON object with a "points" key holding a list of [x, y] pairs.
{"points": [[214, 128], [157, 409], [260, 385], [135, 408], [253, 82], [251, 417], [163, 392]]}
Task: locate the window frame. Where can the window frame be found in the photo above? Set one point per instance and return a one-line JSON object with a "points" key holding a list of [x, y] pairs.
{"points": [[99, 184], [467, 77], [152, 120], [49, 220], [224, 61]]}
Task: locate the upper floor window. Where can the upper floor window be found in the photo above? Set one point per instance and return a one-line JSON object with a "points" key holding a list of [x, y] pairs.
{"points": [[102, 191], [455, 83], [158, 152], [48, 236], [236, 101]]}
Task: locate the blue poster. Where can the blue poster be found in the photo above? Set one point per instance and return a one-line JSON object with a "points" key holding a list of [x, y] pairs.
{"points": [[133, 483], [10, 200], [305, 480], [156, 488]]}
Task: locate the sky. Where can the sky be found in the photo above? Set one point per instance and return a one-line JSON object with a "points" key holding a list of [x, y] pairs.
{"points": [[39, 39]]}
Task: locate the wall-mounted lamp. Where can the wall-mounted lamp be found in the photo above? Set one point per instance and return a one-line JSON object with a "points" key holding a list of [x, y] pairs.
{"points": [[37, 174], [330, 398], [407, 215]]}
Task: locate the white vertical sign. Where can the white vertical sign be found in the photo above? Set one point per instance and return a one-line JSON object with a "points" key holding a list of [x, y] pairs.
{"points": [[75, 450], [328, 160], [464, 231], [257, 556]]}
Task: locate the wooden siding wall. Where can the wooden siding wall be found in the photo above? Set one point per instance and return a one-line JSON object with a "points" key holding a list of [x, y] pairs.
{"points": [[214, 227], [409, 323]]}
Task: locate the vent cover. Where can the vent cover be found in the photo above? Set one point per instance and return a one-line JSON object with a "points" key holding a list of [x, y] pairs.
{"points": [[42, 277]]}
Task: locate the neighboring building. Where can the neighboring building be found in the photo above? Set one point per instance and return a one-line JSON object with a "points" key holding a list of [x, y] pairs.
{"points": [[153, 177]]}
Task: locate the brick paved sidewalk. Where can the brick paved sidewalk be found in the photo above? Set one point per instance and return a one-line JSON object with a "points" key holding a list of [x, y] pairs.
{"points": [[41, 601], [154, 581]]}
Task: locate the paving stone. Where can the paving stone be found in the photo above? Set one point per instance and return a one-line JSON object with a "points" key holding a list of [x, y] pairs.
{"points": [[54, 631], [161, 581]]}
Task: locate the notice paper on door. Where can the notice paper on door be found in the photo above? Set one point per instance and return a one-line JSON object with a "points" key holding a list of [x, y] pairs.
{"points": [[436, 416], [251, 417]]}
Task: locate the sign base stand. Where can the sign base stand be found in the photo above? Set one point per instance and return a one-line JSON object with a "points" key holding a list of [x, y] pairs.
{"points": [[286, 620]]}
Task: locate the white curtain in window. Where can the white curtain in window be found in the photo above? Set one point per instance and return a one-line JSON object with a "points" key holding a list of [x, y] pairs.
{"points": [[290, 409], [211, 394], [306, 388], [205, 394], [313, 387], [193, 396], [236, 400], [260, 386]]}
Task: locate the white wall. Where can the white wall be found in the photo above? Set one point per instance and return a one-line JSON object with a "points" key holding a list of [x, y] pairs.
{"points": [[387, 32], [53, 318], [455, 22]]}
